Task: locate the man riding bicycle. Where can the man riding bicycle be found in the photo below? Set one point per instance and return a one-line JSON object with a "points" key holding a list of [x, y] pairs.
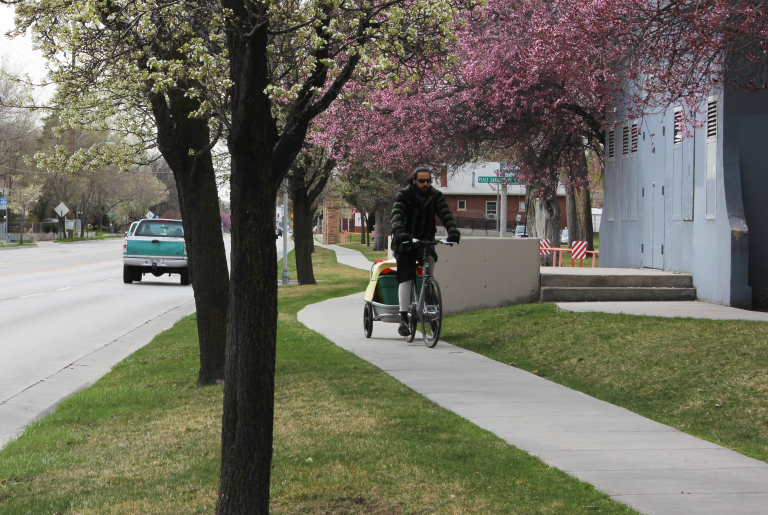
{"points": [[413, 216]]}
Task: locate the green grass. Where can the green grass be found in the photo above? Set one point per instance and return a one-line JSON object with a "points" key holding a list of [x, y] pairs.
{"points": [[25, 243], [104, 236], [708, 378], [349, 439]]}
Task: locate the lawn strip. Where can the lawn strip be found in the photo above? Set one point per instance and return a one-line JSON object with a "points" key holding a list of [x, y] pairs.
{"points": [[707, 378], [349, 439]]}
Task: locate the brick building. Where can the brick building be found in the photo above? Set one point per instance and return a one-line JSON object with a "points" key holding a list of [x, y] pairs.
{"points": [[476, 205]]}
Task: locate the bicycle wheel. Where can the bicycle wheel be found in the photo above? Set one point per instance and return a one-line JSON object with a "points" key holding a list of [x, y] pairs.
{"points": [[368, 320], [431, 312], [412, 315]]}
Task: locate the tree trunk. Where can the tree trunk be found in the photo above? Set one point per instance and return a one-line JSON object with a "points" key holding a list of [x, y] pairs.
{"points": [[302, 236], [570, 214], [198, 199], [584, 203], [383, 222], [584, 210], [542, 219], [248, 418]]}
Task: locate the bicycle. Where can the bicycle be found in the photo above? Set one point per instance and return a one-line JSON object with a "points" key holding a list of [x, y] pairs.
{"points": [[427, 305]]}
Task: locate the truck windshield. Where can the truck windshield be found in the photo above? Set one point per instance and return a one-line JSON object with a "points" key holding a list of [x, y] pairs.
{"points": [[160, 228]]}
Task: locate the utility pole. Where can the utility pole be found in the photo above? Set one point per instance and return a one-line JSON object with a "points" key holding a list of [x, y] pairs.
{"points": [[286, 274], [503, 211]]}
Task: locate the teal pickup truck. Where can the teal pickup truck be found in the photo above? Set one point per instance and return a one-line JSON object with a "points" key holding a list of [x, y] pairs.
{"points": [[155, 247]]}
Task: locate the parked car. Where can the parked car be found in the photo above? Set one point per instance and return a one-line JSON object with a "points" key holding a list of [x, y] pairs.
{"points": [[130, 229], [155, 247], [564, 236], [521, 231]]}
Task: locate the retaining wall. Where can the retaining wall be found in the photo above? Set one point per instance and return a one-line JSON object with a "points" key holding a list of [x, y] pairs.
{"points": [[483, 273]]}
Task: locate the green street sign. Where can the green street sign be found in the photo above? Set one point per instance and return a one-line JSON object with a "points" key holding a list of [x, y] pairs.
{"points": [[487, 179], [110, 214]]}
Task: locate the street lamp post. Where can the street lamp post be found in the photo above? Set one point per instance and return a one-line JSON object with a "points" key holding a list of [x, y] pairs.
{"points": [[286, 274]]}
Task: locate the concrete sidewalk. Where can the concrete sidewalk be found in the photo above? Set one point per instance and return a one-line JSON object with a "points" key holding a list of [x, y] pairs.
{"points": [[649, 466], [686, 309]]}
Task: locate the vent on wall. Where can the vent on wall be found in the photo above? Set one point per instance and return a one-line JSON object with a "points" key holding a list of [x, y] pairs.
{"points": [[678, 127], [625, 140], [712, 119], [635, 133], [611, 144]]}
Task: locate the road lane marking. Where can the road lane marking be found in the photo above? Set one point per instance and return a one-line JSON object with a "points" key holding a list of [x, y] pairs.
{"points": [[73, 266], [65, 288]]}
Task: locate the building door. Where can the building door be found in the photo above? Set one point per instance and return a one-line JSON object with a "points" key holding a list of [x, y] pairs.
{"points": [[655, 195]]}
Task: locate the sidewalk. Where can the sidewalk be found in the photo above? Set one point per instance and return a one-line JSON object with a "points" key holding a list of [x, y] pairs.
{"points": [[348, 257], [652, 467]]}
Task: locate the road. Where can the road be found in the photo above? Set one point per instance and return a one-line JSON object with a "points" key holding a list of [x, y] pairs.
{"points": [[66, 317]]}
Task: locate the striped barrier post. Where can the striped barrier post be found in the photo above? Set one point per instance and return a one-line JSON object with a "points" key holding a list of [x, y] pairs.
{"points": [[578, 251], [544, 247]]}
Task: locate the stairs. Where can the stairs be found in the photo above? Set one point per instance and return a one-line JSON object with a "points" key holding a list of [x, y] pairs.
{"points": [[614, 285]]}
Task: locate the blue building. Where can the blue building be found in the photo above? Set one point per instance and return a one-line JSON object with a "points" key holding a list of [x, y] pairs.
{"points": [[695, 204]]}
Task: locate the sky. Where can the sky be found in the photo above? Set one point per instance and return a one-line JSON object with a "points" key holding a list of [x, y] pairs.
{"points": [[20, 49]]}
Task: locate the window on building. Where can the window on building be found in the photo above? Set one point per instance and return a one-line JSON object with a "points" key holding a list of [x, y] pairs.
{"points": [[712, 119], [710, 184], [678, 126], [611, 144], [461, 205], [635, 134], [490, 210], [625, 141], [522, 205]]}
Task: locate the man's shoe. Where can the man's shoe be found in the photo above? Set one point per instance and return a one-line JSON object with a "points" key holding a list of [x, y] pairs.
{"points": [[403, 330]]}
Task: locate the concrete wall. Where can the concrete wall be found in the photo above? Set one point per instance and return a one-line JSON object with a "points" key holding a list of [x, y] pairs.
{"points": [[483, 273], [661, 211]]}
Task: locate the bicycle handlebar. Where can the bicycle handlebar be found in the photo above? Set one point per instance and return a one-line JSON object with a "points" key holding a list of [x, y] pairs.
{"points": [[435, 242]]}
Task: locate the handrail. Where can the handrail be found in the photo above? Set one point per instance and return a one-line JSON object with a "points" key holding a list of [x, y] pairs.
{"points": [[559, 252]]}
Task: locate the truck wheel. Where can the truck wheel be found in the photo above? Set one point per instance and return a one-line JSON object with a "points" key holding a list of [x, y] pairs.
{"points": [[127, 274], [184, 278], [137, 275]]}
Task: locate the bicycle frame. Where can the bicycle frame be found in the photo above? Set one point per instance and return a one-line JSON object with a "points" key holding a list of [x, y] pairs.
{"points": [[427, 264]]}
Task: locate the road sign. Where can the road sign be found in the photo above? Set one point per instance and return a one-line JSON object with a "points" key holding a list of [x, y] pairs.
{"points": [[61, 210], [150, 215], [544, 247], [490, 180], [519, 218], [3, 203], [110, 214]]}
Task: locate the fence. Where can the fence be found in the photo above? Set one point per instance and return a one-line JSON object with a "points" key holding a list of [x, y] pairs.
{"points": [[558, 253]]}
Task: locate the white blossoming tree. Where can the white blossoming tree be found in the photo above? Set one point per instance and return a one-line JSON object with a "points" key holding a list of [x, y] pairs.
{"points": [[177, 74], [154, 74]]}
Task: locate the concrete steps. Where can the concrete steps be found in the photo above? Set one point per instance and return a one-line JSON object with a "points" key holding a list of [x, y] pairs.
{"points": [[614, 285]]}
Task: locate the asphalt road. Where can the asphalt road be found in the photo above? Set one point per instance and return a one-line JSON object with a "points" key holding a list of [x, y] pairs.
{"points": [[66, 317]]}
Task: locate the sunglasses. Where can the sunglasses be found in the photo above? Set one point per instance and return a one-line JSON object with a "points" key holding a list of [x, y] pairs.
{"points": [[422, 181]]}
